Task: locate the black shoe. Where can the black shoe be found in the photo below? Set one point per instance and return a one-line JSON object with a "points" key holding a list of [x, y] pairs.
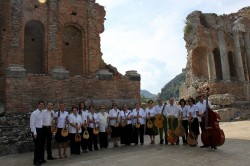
{"points": [[38, 163], [51, 158], [43, 161], [177, 143], [141, 143], [172, 143], [161, 142], [204, 146]]}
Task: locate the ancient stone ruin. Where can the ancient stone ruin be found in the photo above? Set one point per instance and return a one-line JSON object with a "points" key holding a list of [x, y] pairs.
{"points": [[218, 54], [52, 52]]}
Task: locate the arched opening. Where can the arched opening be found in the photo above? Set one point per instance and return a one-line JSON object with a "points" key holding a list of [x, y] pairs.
{"points": [[217, 62], [199, 63], [34, 38], [72, 48], [231, 65]]}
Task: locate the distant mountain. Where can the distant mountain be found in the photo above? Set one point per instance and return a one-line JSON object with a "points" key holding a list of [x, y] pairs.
{"points": [[147, 94], [171, 89]]}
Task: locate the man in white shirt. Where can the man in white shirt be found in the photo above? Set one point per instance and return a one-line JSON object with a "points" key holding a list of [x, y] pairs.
{"points": [[48, 116], [36, 124]]}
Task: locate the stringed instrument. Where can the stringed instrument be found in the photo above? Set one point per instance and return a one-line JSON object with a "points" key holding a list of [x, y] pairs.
{"points": [[85, 132], [149, 122], [211, 135], [191, 138], [124, 123], [179, 131], [137, 124], [108, 129], [65, 131], [160, 118], [53, 124], [117, 120], [77, 136], [171, 133], [95, 128]]}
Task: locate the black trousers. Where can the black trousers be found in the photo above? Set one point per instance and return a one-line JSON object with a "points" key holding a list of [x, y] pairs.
{"points": [[137, 132], [103, 139], [185, 125], [39, 146], [84, 142], [202, 126], [48, 138], [74, 146], [92, 139], [127, 134]]}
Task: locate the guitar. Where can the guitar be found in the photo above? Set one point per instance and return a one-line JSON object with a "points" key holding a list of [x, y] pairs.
{"points": [[179, 131], [53, 124], [108, 129], [95, 129], [191, 139], [85, 133], [137, 124], [124, 123], [171, 133], [77, 136], [117, 120], [160, 118]]}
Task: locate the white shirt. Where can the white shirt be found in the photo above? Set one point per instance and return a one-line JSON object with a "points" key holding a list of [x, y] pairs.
{"points": [[84, 116], [103, 121], [184, 111], [201, 106], [47, 117], [113, 113], [150, 112], [172, 110], [74, 119], [36, 120], [91, 124], [158, 108], [192, 110], [141, 113], [125, 114], [62, 119]]}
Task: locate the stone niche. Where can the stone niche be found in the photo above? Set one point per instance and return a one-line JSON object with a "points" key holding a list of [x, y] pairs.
{"points": [[218, 49], [52, 52]]}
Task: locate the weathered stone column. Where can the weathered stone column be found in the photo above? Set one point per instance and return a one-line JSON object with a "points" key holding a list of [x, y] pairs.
{"points": [[223, 56], [238, 57], [210, 58], [247, 45]]}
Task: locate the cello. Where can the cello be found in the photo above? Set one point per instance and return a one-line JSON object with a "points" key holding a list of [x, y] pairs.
{"points": [[211, 135]]}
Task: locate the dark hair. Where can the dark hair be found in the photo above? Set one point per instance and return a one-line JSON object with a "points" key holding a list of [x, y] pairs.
{"points": [[83, 104], [40, 101], [150, 101], [192, 99], [182, 100], [91, 106], [73, 108]]}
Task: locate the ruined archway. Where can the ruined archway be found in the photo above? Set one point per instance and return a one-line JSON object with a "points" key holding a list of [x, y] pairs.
{"points": [[217, 62], [72, 49], [231, 63], [34, 39], [199, 63]]}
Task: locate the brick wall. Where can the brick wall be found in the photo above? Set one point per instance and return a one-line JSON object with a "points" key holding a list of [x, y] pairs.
{"points": [[22, 94]]}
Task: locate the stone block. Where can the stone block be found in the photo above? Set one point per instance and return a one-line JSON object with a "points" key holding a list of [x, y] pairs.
{"points": [[133, 75], [222, 99], [104, 74], [2, 108], [227, 114], [16, 71], [60, 73]]}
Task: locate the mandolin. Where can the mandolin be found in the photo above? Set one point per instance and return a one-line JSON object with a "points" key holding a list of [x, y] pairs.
{"points": [[124, 123], [53, 124], [149, 122], [108, 129], [77, 136], [65, 131], [160, 118], [137, 124], [95, 129], [117, 120], [85, 133]]}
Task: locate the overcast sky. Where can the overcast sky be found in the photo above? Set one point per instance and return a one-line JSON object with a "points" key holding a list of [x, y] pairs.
{"points": [[147, 35]]}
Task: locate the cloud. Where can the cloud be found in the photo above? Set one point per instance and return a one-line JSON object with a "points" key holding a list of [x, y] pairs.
{"points": [[147, 35]]}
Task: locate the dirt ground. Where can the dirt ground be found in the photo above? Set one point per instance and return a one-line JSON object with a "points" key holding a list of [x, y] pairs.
{"points": [[235, 152]]}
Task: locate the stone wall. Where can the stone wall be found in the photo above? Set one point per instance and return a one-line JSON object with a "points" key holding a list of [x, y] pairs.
{"points": [[218, 49]]}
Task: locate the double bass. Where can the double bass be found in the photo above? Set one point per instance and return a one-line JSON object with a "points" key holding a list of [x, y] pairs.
{"points": [[211, 135]]}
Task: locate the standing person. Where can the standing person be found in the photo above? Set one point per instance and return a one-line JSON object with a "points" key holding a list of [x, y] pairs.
{"points": [[201, 106], [103, 125], [84, 113], [114, 117], [48, 116], [127, 127], [192, 116], [75, 123], [139, 117], [36, 124], [159, 108], [62, 121], [93, 122], [172, 111], [150, 115], [184, 115]]}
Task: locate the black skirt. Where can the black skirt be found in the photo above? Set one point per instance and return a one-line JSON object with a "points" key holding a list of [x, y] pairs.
{"points": [[153, 130], [116, 131], [59, 138], [195, 126]]}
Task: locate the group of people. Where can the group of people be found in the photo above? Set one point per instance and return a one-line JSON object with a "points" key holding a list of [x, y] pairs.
{"points": [[129, 126]]}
